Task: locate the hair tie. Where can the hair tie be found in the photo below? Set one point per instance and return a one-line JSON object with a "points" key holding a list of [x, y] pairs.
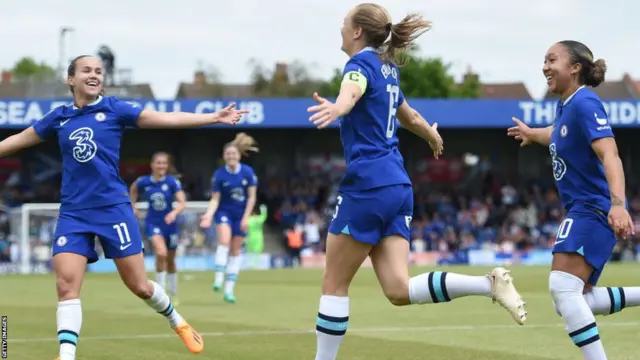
{"points": [[389, 26]]}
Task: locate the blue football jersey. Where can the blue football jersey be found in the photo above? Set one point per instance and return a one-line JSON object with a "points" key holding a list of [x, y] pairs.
{"points": [[578, 172], [159, 194], [368, 132], [232, 187], [89, 140]]}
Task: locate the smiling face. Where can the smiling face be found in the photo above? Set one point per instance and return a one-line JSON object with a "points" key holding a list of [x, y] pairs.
{"points": [[85, 77], [231, 156], [561, 73], [160, 164]]}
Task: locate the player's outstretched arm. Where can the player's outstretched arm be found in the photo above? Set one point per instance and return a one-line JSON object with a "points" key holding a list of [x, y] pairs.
{"points": [[351, 90], [414, 122], [14, 143], [607, 152], [353, 86], [619, 218], [528, 135], [541, 136], [157, 119], [595, 126]]}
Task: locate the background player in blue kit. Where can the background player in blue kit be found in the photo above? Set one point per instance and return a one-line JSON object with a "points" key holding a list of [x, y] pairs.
{"points": [[94, 199], [591, 183], [159, 190], [375, 202], [233, 198]]}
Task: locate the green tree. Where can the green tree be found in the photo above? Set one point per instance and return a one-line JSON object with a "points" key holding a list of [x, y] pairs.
{"points": [[469, 88], [27, 69], [421, 78], [332, 87]]}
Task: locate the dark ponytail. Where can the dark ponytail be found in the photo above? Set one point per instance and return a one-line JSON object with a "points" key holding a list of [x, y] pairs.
{"points": [[592, 73], [596, 73]]}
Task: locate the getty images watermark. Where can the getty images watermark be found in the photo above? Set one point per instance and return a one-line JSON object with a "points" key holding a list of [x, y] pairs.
{"points": [[4, 337]]}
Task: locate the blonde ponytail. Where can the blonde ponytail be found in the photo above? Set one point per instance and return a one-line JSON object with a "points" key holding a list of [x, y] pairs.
{"points": [[245, 143]]}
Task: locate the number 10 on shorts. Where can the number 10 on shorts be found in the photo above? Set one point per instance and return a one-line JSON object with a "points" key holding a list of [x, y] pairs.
{"points": [[335, 213], [564, 228], [123, 235]]}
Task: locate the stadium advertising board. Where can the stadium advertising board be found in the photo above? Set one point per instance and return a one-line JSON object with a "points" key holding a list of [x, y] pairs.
{"points": [[492, 258], [292, 113]]}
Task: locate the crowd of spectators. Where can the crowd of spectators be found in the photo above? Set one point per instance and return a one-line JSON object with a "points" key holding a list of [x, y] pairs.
{"points": [[505, 218], [501, 217]]}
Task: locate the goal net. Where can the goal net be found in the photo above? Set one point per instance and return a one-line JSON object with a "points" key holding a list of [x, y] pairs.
{"points": [[32, 228]]}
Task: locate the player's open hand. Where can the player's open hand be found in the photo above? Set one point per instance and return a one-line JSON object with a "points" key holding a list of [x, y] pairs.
{"points": [[520, 132], [205, 221], [621, 222], [436, 143], [326, 112], [230, 115], [170, 218]]}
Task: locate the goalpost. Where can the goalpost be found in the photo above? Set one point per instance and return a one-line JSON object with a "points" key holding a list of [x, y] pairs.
{"points": [[33, 226]]}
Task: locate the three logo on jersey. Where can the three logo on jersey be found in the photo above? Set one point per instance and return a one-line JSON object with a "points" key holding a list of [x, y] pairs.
{"points": [[237, 194], [85, 148], [158, 200], [559, 166]]}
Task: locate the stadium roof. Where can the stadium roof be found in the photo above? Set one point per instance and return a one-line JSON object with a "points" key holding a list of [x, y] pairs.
{"points": [[505, 91], [626, 88], [55, 89], [200, 88]]}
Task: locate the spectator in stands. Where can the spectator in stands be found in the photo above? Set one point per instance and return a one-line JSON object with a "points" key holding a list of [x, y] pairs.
{"points": [[312, 226], [5, 251], [295, 243]]}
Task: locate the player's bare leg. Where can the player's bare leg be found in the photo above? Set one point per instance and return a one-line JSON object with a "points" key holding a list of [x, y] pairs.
{"points": [[223, 231], [343, 259], [160, 249], [569, 274], [172, 276], [132, 272], [390, 261], [70, 269], [233, 269]]}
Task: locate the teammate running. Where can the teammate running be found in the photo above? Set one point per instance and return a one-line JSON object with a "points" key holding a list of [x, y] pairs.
{"points": [[233, 197], [591, 183], [159, 190], [95, 201], [375, 202]]}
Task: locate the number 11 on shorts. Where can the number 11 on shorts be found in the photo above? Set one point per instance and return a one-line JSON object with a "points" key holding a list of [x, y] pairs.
{"points": [[123, 235]]}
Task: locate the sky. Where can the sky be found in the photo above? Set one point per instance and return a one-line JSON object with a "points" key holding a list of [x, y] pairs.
{"points": [[163, 42]]}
